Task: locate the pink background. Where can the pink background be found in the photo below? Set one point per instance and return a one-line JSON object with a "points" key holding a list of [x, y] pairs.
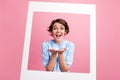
{"points": [[79, 35], [13, 16]]}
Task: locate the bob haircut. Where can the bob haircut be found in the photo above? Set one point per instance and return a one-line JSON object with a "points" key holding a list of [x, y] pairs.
{"points": [[61, 21]]}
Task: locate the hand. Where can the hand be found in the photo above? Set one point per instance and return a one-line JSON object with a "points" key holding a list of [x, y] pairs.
{"points": [[61, 50], [52, 51]]}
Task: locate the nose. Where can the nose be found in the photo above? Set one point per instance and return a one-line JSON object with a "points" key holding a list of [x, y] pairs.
{"points": [[58, 30]]}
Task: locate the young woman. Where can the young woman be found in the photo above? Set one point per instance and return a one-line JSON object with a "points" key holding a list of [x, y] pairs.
{"points": [[57, 54]]}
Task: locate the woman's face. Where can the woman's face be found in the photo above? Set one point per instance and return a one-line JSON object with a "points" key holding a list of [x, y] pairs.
{"points": [[58, 32]]}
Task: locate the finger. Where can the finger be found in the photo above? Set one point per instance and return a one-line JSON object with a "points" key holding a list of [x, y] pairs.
{"points": [[64, 49]]}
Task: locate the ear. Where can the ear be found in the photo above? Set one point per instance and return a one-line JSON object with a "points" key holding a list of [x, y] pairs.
{"points": [[51, 34], [65, 33]]}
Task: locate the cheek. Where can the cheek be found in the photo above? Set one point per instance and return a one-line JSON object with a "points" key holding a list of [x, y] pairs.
{"points": [[53, 32], [63, 31]]}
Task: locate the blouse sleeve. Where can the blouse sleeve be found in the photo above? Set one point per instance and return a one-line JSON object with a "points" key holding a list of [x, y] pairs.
{"points": [[70, 54], [45, 54]]}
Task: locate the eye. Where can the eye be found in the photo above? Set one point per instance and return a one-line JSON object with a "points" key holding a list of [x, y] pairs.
{"points": [[54, 28], [61, 28]]}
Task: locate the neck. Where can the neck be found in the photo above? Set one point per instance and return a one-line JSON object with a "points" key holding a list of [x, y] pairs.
{"points": [[58, 42]]}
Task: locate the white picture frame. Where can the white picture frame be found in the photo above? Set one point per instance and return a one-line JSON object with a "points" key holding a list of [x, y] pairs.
{"points": [[89, 9]]}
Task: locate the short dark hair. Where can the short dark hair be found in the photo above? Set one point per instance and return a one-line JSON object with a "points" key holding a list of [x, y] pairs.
{"points": [[61, 21]]}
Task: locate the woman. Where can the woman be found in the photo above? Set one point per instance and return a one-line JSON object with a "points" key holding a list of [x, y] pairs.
{"points": [[57, 54]]}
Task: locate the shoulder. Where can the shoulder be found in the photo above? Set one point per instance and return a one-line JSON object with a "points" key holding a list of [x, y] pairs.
{"points": [[45, 43], [69, 43]]}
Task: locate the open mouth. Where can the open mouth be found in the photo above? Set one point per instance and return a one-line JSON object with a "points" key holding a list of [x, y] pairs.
{"points": [[58, 35]]}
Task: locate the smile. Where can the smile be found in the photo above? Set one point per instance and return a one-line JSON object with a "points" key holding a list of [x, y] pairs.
{"points": [[58, 35]]}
